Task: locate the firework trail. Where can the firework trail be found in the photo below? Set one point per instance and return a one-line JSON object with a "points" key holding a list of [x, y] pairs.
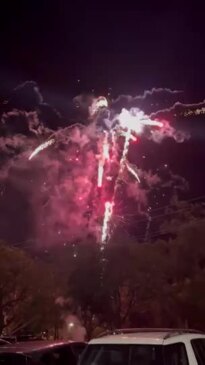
{"points": [[103, 158], [106, 220], [132, 171], [130, 123], [42, 147], [108, 209]]}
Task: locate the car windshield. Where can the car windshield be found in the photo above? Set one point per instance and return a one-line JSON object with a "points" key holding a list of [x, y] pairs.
{"points": [[122, 355]]}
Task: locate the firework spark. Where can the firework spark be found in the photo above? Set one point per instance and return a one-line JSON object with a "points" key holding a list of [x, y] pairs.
{"points": [[42, 147], [197, 111]]}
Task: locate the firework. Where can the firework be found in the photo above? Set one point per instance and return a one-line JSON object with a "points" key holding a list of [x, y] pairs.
{"points": [[105, 148], [106, 220], [111, 163], [197, 111], [136, 120], [40, 148], [103, 158], [100, 174], [97, 104], [126, 146], [132, 137], [109, 205], [130, 124], [132, 171]]}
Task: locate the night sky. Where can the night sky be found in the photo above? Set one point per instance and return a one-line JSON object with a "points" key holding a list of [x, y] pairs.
{"points": [[71, 48], [129, 48]]}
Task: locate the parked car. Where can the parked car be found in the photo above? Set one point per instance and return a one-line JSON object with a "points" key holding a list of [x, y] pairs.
{"points": [[146, 347], [41, 352]]}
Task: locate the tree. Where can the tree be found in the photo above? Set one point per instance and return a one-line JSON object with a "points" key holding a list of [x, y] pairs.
{"points": [[152, 284], [118, 285], [85, 286], [130, 284], [27, 292]]}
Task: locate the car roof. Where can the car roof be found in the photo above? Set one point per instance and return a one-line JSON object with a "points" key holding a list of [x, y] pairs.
{"points": [[146, 336], [30, 346], [130, 338]]}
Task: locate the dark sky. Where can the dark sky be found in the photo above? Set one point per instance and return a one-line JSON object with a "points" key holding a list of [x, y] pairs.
{"points": [[129, 47]]}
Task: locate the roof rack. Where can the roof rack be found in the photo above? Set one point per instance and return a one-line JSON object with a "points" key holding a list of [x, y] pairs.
{"points": [[169, 331], [181, 331]]}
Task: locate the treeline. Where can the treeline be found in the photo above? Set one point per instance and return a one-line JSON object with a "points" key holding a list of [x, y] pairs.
{"points": [[128, 284]]}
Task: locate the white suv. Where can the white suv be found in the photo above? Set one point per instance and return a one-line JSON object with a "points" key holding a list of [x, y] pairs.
{"points": [[146, 347]]}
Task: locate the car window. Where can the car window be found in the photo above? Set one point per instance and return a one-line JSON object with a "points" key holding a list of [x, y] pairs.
{"points": [[122, 355], [199, 350], [146, 355], [176, 354], [106, 355]]}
